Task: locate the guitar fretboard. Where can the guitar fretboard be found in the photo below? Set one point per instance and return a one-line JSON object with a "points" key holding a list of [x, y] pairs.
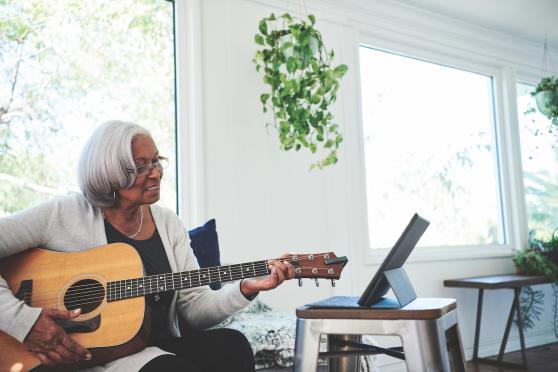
{"points": [[128, 288]]}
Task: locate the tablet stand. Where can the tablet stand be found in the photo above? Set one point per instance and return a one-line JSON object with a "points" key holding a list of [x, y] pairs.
{"points": [[401, 286]]}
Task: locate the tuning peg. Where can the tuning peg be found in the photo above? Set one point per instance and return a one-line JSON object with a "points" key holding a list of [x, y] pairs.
{"points": [[333, 282], [300, 282], [317, 282]]}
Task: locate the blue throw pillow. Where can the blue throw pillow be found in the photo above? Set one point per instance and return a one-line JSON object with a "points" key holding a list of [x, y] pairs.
{"points": [[205, 244]]}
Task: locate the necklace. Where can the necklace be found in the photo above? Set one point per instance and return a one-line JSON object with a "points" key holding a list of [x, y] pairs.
{"points": [[140, 224]]}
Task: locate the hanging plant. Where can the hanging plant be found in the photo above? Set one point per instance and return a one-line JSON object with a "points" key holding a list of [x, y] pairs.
{"points": [[303, 84], [546, 97], [539, 258]]}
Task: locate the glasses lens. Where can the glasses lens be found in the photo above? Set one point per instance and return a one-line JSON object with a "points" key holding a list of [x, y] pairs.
{"points": [[162, 163], [142, 169]]}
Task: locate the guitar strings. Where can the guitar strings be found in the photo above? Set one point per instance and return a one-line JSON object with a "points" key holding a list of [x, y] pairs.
{"points": [[84, 289], [99, 294]]}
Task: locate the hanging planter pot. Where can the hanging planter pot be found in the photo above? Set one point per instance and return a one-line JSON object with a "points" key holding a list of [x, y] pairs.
{"points": [[546, 97], [302, 84]]}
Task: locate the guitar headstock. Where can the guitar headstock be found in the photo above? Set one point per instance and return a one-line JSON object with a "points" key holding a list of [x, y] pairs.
{"points": [[318, 265]]}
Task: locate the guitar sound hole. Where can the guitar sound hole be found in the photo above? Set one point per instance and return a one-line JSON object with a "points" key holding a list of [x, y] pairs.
{"points": [[86, 294]]}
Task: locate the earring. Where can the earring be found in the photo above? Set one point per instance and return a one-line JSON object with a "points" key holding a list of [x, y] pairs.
{"points": [[114, 195]]}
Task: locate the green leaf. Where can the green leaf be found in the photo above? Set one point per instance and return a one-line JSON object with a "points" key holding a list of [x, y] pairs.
{"points": [[314, 65], [264, 97], [312, 19], [286, 45], [340, 70], [291, 64], [263, 27], [259, 39]]}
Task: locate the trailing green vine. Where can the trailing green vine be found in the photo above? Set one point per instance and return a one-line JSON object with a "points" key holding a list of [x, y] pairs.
{"points": [[303, 84], [539, 258]]}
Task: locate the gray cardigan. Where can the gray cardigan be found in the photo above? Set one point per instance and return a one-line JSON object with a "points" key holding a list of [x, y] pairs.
{"points": [[70, 223]]}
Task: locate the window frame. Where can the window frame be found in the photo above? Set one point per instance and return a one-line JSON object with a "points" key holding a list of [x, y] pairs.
{"points": [[511, 193]]}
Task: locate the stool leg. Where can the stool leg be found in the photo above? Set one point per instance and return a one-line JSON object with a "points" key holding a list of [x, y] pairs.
{"points": [[307, 346], [348, 363], [457, 362], [425, 347]]}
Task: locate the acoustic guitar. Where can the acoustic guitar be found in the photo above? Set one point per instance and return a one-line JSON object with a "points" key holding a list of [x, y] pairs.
{"points": [[108, 284]]}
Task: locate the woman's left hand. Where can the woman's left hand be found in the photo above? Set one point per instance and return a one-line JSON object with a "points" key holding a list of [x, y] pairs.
{"points": [[280, 270]]}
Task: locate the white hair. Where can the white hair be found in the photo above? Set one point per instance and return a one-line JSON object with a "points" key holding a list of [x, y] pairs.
{"points": [[104, 160]]}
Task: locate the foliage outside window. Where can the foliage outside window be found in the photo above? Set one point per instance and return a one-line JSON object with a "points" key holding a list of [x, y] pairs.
{"points": [[539, 158], [66, 66], [429, 148]]}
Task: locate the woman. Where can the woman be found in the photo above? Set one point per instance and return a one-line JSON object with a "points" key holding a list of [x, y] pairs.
{"points": [[120, 172]]}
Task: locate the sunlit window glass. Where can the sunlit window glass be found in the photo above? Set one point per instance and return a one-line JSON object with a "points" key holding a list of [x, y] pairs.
{"points": [[429, 148], [65, 67], [539, 156]]}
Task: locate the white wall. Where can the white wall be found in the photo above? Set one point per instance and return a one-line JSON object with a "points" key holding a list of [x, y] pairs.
{"points": [[267, 202]]}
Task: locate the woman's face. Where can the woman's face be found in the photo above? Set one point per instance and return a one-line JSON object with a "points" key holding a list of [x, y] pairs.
{"points": [[146, 189]]}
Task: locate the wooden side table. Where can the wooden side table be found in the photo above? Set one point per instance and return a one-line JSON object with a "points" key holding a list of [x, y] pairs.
{"points": [[427, 326], [508, 281]]}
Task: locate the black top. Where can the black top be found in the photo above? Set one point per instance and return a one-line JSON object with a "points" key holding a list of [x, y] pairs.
{"points": [[154, 261]]}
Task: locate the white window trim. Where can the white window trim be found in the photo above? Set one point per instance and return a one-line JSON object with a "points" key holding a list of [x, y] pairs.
{"points": [[514, 222], [454, 253], [190, 134]]}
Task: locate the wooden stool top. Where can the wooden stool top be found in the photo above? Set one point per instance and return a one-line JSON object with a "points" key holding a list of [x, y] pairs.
{"points": [[497, 281], [420, 308]]}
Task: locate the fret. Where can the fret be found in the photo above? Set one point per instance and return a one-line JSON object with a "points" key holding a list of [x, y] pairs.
{"points": [[161, 285], [225, 273], [151, 291], [176, 284], [169, 282], [236, 270], [126, 288], [205, 276], [142, 286], [253, 269], [186, 281], [109, 297], [219, 273], [232, 272]]}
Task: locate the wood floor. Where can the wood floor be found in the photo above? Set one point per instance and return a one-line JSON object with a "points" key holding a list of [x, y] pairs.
{"points": [[540, 359]]}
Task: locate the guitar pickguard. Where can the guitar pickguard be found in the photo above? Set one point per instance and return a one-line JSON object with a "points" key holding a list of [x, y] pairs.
{"points": [[25, 291], [81, 326]]}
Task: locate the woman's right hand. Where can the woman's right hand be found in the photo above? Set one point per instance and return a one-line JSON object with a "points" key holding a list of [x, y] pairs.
{"points": [[50, 343]]}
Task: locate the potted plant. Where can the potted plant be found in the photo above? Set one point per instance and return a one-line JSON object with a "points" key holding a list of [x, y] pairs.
{"points": [[539, 258], [546, 97], [302, 82]]}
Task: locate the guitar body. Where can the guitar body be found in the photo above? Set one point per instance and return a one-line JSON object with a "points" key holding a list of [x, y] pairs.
{"points": [[49, 279]]}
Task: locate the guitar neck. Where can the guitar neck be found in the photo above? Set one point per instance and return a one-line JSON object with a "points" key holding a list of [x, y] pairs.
{"points": [[128, 288]]}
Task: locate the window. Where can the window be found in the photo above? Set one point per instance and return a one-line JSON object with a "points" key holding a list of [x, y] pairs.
{"points": [[429, 147], [68, 65], [539, 157]]}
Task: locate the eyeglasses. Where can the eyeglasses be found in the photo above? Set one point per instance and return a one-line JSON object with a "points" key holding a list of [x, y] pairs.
{"points": [[159, 162]]}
